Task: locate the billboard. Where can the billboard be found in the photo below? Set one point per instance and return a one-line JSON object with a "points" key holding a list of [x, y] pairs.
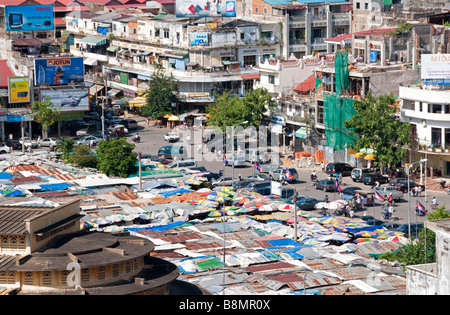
{"points": [[67, 99], [199, 39], [18, 90], [29, 18], [435, 66], [205, 8], [58, 71]]}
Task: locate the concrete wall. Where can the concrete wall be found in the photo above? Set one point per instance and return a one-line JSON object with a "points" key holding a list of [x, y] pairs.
{"points": [[443, 260], [421, 280], [383, 83]]}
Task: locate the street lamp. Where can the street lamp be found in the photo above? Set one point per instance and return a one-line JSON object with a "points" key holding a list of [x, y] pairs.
{"points": [[408, 166], [234, 157]]}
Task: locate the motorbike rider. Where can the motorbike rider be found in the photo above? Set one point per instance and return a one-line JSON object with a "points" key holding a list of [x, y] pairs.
{"points": [[313, 176]]}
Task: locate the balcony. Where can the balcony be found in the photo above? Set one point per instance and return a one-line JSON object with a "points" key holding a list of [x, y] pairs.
{"points": [[297, 21], [424, 94], [340, 19]]}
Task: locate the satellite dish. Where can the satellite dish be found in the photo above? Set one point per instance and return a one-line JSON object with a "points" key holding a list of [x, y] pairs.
{"points": [[343, 43]]}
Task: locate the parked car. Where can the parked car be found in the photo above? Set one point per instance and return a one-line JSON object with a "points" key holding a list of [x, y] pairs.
{"points": [[339, 168], [387, 190], [223, 181], [403, 186], [307, 203], [184, 163], [358, 173], [242, 184], [269, 167], [326, 185], [14, 144], [48, 142], [286, 192], [89, 129], [366, 217], [237, 161], [87, 140], [391, 226], [130, 124], [280, 174], [258, 177], [173, 152], [395, 181], [374, 222], [259, 184], [415, 229], [371, 178], [114, 120], [27, 142], [4, 149], [351, 190], [115, 127], [171, 137]]}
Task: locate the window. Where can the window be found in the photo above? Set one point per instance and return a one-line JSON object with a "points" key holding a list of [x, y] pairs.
{"points": [[436, 136], [271, 79], [242, 36], [47, 278], [366, 6], [101, 274], [256, 10], [166, 33], [358, 5]]}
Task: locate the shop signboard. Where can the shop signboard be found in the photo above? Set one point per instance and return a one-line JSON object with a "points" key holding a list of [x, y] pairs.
{"points": [[67, 99], [205, 8], [59, 71]]}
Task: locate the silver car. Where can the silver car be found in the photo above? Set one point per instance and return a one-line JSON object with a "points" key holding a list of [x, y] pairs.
{"points": [[223, 181]]}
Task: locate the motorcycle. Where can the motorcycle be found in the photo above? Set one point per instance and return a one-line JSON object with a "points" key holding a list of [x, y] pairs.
{"points": [[313, 177], [136, 139]]}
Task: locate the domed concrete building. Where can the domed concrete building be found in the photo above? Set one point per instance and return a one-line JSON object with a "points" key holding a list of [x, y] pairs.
{"points": [[43, 251]]}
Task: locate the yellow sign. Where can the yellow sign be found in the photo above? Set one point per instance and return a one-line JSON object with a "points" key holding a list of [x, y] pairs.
{"points": [[18, 90]]}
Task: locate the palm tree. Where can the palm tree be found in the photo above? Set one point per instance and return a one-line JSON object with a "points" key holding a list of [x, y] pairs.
{"points": [[65, 147]]}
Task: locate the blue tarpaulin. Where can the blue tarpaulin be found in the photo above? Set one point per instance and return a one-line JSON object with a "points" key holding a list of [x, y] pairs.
{"points": [[5, 176], [54, 187], [160, 228], [174, 192]]}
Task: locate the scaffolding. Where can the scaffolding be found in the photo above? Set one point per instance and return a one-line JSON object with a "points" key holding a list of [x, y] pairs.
{"points": [[338, 108]]}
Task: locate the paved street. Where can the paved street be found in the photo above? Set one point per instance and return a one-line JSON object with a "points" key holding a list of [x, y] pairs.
{"points": [[152, 139]]}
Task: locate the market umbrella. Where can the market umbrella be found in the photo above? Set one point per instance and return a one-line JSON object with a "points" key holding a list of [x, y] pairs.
{"points": [[253, 204], [266, 208], [174, 118], [337, 204], [320, 205], [299, 218], [223, 189], [286, 207], [216, 213], [332, 220]]}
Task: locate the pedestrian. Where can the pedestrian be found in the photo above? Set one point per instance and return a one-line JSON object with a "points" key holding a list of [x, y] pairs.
{"points": [[240, 177], [322, 165], [325, 199]]}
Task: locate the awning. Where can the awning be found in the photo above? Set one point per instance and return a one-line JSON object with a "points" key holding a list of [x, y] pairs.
{"points": [[145, 53], [113, 48], [137, 101], [301, 133], [92, 41], [306, 85], [90, 62], [95, 89], [113, 92]]}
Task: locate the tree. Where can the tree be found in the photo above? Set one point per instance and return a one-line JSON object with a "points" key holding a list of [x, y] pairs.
{"points": [[65, 147], [375, 126], [424, 249], [45, 114], [229, 110], [116, 157], [159, 96], [82, 156]]}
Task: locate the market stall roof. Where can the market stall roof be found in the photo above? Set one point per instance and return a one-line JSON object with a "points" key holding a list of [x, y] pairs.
{"points": [[95, 89], [27, 42], [113, 48]]}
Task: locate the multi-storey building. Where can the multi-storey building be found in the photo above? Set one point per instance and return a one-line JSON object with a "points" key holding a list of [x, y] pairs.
{"points": [[44, 251], [305, 23], [204, 58]]}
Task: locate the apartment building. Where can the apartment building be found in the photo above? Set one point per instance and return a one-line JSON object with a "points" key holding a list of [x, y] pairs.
{"points": [[306, 23], [204, 57]]}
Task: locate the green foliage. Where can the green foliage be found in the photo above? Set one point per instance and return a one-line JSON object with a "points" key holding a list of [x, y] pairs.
{"points": [[116, 157], [65, 147], [375, 126], [82, 156], [229, 110], [159, 96], [45, 114], [424, 249]]}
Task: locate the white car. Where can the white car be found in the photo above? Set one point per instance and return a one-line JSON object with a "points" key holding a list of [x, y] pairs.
{"points": [[223, 181], [258, 177], [27, 142], [87, 140], [48, 142], [171, 137], [4, 149], [114, 127]]}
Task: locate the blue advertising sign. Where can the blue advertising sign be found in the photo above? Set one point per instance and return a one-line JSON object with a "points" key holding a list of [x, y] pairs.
{"points": [[29, 18], [199, 39], [373, 56], [58, 71]]}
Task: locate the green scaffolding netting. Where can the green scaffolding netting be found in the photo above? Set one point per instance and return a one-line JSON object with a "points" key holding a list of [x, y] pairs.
{"points": [[338, 109]]}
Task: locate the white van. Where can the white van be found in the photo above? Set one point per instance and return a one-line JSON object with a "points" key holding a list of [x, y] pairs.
{"points": [[185, 163]]}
